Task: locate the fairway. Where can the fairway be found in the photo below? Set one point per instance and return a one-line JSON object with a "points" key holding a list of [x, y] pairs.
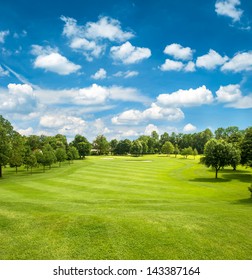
{"points": [[105, 207]]}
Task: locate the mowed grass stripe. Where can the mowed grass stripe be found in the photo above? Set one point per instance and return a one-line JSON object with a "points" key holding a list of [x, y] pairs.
{"points": [[125, 208]]}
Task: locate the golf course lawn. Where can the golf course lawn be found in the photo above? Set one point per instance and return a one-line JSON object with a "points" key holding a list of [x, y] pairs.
{"points": [[109, 207]]}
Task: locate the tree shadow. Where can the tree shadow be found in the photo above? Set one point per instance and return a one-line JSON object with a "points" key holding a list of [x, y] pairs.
{"points": [[245, 201], [210, 180]]}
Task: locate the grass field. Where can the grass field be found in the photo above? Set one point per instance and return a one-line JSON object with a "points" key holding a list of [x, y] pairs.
{"points": [[153, 207]]}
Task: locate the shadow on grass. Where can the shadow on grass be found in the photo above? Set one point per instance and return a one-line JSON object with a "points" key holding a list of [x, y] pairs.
{"points": [[246, 201], [210, 180]]}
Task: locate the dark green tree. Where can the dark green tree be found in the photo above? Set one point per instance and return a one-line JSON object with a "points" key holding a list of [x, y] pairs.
{"points": [[101, 145], [167, 148], [17, 151], [217, 154], [246, 148], [136, 148], [6, 135], [61, 155]]}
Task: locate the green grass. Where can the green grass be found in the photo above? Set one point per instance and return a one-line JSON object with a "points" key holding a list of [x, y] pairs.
{"points": [[153, 207]]}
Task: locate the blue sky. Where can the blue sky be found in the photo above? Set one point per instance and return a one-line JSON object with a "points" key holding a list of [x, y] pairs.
{"points": [[125, 68]]}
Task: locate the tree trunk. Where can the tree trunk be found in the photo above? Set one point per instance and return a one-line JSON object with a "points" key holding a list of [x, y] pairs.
{"points": [[216, 173]]}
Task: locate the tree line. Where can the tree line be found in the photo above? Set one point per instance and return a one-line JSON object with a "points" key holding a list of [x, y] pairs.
{"points": [[227, 146]]}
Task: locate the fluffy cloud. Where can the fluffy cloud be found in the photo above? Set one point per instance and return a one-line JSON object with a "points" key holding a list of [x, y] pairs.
{"points": [[189, 128], [211, 60], [190, 67], [240, 62], [67, 125], [50, 60], [90, 39], [3, 34], [107, 28], [129, 54], [171, 65], [229, 93], [127, 74], [92, 95], [150, 128], [186, 98], [28, 131], [155, 112], [100, 74], [232, 96], [229, 8], [179, 52], [19, 98]]}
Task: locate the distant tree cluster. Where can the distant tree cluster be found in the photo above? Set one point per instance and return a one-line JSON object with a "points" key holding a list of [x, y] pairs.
{"points": [[229, 146]]}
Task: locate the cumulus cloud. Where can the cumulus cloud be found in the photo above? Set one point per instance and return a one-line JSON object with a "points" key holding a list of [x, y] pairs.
{"points": [[3, 34], [50, 60], [240, 62], [211, 60], [19, 98], [90, 39], [67, 125], [100, 74], [28, 131], [126, 74], [188, 128], [229, 93], [190, 67], [107, 28], [172, 65], [179, 52], [129, 54], [229, 8], [150, 128], [232, 96], [186, 98], [133, 117]]}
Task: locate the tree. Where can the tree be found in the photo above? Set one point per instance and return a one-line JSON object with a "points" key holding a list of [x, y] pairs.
{"points": [[113, 144], [187, 152], [167, 148], [235, 156], [123, 147], [72, 154], [6, 133], [30, 159], [61, 155], [176, 150], [217, 154], [195, 153], [17, 151], [101, 145], [82, 145], [246, 148], [84, 149], [48, 156], [136, 148]]}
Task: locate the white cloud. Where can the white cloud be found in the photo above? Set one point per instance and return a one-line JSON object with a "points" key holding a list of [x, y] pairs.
{"points": [[3, 34], [190, 67], [229, 8], [150, 128], [155, 112], [90, 49], [211, 60], [90, 39], [100, 74], [92, 95], [28, 131], [229, 93], [50, 60], [107, 28], [186, 98], [19, 99], [189, 128], [232, 95], [129, 54], [127, 74], [66, 125], [3, 72], [179, 52], [172, 65], [240, 62]]}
